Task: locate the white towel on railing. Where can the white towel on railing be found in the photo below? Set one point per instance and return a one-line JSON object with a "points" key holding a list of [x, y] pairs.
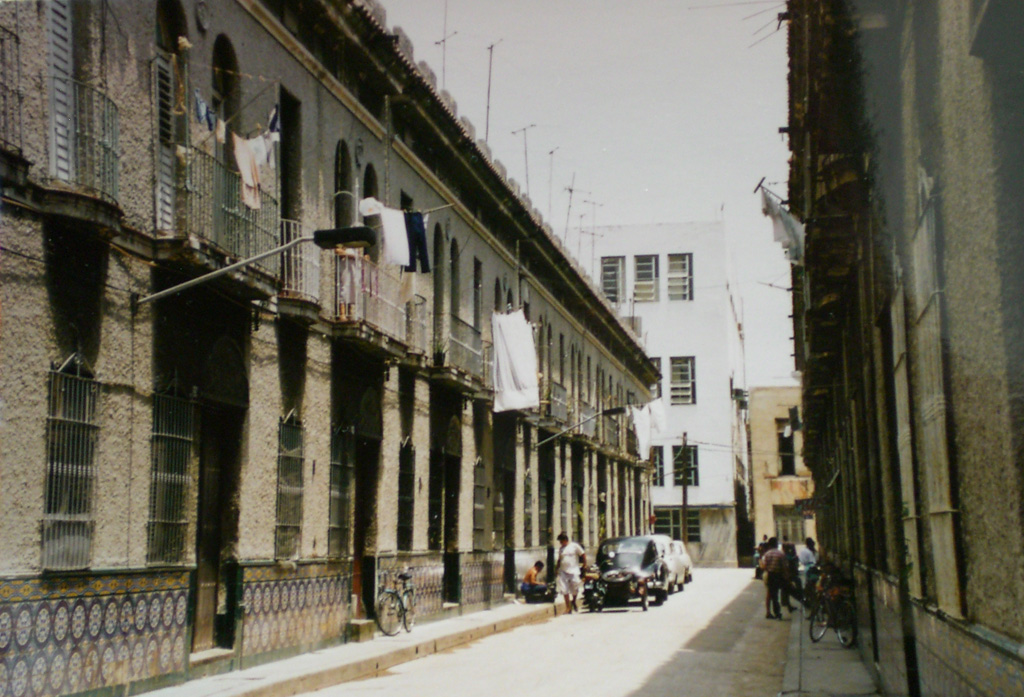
{"points": [[515, 363]]}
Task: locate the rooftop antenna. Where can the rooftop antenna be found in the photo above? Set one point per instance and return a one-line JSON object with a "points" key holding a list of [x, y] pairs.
{"points": [[443, 43], [551, 172], [490, 62], [526, 159], [593, 233], [568, 214]]}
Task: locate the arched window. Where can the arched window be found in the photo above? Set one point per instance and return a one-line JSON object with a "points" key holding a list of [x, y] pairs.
{"points": [[344, 197], [454, 277], [226, 97], [170, 24]]}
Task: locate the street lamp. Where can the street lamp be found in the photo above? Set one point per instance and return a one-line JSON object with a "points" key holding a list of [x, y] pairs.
{"points": [[611, 411], [357, 236]]}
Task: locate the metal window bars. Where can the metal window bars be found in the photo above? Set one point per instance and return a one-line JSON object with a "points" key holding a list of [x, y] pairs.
{"points": [[300, 277], [680, 276], [338, 525], [10, 92], [174, 428], [370, 293], [214, 211], [290, 462], [72, 432], [85, 137]]}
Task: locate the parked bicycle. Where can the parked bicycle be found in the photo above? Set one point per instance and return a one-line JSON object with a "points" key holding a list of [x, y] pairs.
{"points": [[833, 609], [396, 602]]}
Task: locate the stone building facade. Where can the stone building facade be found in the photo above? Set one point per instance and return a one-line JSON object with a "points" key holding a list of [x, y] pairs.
{"points": [[907, 132], [225, 475], [780, 483]]}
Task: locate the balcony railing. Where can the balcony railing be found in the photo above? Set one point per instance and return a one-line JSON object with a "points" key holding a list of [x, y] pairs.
{"points": [[214, 211], [84, 139], [300, 277], [369, 293], [589, 428], [10, 92], [417, 324], [558, 406], [465, 348]]}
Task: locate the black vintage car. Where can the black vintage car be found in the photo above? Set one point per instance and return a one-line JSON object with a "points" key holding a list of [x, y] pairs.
{"points": [[632, 567]]}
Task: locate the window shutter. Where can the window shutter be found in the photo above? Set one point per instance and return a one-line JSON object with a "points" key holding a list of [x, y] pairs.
{"points": [[62, 91], [163, 99]]}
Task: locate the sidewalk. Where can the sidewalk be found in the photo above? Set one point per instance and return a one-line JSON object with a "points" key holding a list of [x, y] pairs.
{"points": [[352, 661], [823, 669]]}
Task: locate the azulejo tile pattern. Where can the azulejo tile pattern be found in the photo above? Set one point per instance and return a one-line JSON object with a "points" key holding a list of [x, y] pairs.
{"points": [[427, 571], [76, 633], [483, 578], [286, 609]]}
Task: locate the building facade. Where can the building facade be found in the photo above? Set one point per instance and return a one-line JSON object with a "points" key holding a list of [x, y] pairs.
{"points": [[780, 483], [906, 126], [673, 282], [225, 474]]}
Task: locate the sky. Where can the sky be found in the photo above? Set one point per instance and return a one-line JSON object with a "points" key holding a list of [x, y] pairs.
{"points": [[657, 111]]}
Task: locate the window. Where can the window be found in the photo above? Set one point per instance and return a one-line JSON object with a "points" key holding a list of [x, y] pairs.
{"points": [[171, 444], [658, 465], [612, 269], [684, 380], [72, 430], [406, 494], [479, 504], [478, 293], [787, 458], [338, 510], [684, 466], [692, 525], [656, 387], [680, 277], [645, 286], [669, 521], [289, 489]]}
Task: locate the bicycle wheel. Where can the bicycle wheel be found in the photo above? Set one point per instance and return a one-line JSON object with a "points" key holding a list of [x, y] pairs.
{"points": [[819, 621], [389, 612], [845, 623], [409, 603]]}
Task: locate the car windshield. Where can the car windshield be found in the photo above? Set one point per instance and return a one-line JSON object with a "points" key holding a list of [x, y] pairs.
{"points": [[622, 553]]}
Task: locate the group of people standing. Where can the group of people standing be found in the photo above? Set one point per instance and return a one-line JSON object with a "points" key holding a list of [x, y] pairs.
{"points": [[784, 572]]}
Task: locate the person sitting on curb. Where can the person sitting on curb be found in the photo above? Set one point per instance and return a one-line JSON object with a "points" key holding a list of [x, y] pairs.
{"points": [[531, 587]]}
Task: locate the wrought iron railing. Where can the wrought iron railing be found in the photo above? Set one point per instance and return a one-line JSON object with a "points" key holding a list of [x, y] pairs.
{"points": [[10, 92], [465, 347], [215, 212], [558, 405], [369, 293], [300, 272], [84, 139]]}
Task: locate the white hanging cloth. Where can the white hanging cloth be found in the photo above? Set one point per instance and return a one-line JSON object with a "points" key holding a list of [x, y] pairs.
{"points": [[515, 363], [657, 408], [642, 427], [393, 233]]}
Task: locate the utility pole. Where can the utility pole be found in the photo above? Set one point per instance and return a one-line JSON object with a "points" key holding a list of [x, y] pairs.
{"points": [[490, 62], [685, 482], [526, 158]]}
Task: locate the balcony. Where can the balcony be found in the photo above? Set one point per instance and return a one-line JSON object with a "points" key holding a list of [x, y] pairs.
{"points": [[10, 93], [417, 323], [84, 138], [558, 405], [214, 212], [610, 431], [588, 429], [465, 348], [369, 296]]}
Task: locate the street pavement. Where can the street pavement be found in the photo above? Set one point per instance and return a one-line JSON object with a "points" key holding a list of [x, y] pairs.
{"points": [[711, 639]]}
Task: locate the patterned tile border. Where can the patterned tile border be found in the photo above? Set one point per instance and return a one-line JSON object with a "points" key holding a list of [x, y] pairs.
{"points": [[483, 578], [427, 569]]}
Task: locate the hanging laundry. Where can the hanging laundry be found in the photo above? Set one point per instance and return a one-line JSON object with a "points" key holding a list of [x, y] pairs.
{"points": [[259, 150], [274, 127], [642, 428], [201, 107], [396, 241], [220, 133], [268, 143], [211, 119], [657, 408], [370, 206], [515, 363], [249, 172], [416, 230]]}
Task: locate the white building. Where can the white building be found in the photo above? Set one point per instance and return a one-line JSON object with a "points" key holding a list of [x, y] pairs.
{"points": [[675, 280]]}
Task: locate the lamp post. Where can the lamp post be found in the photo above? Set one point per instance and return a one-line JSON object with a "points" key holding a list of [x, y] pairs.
{"points": [[356, 236], [611, 411]]}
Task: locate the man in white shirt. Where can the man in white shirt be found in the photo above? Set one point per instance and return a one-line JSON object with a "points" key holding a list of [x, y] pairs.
{"points": [[570, 558], [808, 557]]}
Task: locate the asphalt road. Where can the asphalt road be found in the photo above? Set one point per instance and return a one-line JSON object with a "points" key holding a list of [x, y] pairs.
{"points": [[710, 640]]}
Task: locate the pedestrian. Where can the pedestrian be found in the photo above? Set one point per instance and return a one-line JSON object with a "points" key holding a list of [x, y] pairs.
{"points": [[532, 589], [776, 571], [570, 558], [758, 569], [808, 557], [791, 589]]}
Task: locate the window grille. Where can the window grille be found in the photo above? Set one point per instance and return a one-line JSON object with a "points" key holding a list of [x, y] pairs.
{"points": [[72, 431], [680, 277], [406, 494], [479, 504], [171, 445], [339, 507], [645, 285], [289, 489], [684, 380], [658, 463], [656, 387], [435, 501], [692, 525], [612, 278], [684, 466]]}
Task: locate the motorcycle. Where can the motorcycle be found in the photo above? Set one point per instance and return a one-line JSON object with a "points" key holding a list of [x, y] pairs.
{"points": [[594, 589]]}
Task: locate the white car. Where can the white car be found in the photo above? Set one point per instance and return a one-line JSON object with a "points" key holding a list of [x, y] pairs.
{"points": [[680, 565]]}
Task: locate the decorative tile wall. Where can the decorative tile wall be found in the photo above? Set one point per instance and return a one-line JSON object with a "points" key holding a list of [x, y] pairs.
{"points": [[291, 609], [427, 571], [77, 633], [483, 578]]}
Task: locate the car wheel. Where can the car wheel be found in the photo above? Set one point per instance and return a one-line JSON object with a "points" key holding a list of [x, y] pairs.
{"points": [[660, 596]]}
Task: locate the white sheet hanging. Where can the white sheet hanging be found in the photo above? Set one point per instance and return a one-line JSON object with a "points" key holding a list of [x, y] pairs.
{"points": [[393, 234], [515, 363], [642, 427], [657, 408]]}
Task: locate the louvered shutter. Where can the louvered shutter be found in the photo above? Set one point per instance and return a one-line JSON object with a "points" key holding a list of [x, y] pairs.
{"points": [[163, 99], [62, 92]]}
